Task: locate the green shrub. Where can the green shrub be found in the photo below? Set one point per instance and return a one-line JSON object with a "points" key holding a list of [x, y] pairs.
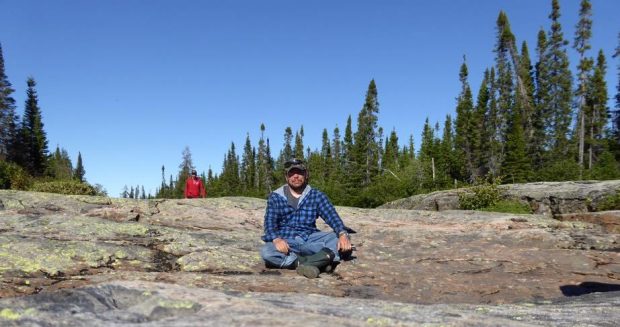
{"points": [[485, 194], [509, 206], [14, 177], [610, 202], [64, 187]]}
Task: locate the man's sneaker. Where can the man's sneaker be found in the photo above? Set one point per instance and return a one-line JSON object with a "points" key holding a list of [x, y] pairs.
{"points": [[308, 271]]}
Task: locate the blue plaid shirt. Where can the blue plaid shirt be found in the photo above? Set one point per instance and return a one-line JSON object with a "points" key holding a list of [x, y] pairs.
{"points": [[284, 221]]}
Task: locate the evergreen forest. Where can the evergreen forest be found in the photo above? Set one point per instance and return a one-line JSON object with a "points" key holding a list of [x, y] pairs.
{"points": [[532, 118]]}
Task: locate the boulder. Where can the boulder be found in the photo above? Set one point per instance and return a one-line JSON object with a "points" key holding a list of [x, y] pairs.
{"points": [[545, 198]]}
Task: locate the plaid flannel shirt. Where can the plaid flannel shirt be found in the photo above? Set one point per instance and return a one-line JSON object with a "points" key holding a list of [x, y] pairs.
{"points": [[283, 221]]}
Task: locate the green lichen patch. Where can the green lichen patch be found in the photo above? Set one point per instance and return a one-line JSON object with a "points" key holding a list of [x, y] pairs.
{"points": [[31, 257], [220, 259]]}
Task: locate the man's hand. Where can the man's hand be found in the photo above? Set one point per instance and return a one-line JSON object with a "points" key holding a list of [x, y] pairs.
{"points": [[281, 245], [344, 243]]}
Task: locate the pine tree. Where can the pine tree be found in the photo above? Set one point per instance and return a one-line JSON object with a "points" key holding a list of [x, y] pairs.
{"points": [[79, 169], [33, 139], [125, 193], [143, 196], [131, 193], [583, 33], [8, 118]]}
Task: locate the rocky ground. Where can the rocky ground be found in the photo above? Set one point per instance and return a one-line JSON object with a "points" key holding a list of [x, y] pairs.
{"points": [[67, 260]]}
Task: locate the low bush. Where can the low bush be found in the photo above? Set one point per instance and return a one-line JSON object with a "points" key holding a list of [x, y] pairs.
{"points": [[13, 177], [485, 194], [611, 202], [509, 206], [64, 187]]}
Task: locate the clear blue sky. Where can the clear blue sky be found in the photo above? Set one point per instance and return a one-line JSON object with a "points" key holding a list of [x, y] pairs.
{"points": [[130, 83]]}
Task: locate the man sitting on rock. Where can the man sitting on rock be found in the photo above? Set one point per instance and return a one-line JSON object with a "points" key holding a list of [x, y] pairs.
{"points": [[292, 238]]}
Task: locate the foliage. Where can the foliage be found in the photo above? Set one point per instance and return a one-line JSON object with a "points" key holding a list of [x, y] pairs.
{"points": [[482, 195], [14, 177], [63, 187], [611, 202], [509, 206]]}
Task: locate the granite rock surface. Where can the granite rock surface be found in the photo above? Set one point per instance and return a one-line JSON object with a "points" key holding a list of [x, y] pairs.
{"points": [[69, 259]]}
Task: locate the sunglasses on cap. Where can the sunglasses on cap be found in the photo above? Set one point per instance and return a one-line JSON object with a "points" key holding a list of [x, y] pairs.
{"points": [[293, 162]]}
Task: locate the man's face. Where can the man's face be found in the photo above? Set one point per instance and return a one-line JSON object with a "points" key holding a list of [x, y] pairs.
{"points": [[296, 178]]}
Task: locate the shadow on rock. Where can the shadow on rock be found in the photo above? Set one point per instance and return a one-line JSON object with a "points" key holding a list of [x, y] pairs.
{"points": [[587, 288]]}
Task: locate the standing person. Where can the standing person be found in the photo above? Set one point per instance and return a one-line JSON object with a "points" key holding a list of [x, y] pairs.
{"points": [[194, 187], [292, 240]]}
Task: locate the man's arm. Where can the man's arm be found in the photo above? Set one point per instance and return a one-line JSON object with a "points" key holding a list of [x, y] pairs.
{"points": [[331, 217], [271, 220]]}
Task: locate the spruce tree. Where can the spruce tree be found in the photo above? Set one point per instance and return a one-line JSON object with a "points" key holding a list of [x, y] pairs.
{"points": [[8, 118], [348, 144], [616, 113], [596, 110], [59, 165], [230, 172], [560, 82], [33, 139], [480, 135], [464, 127], [516, 166], [504, 84], [79, 169], [390, 157], [185, 168], [326, 156], [287, 150], [337, 152], [299, 144], [448, 166], [541, 118], [365, 147], [248, 167], [583, 33], [526, 74]]}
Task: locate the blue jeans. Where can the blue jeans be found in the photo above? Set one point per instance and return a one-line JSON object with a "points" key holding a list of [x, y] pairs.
{"points": [[297, 246]]}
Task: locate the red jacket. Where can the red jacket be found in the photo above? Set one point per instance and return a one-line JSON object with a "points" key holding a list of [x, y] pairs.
{"points": [[194, 188]]}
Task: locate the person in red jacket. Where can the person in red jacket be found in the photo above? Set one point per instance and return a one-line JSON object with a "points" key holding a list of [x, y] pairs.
{"points": [[194, 187]]}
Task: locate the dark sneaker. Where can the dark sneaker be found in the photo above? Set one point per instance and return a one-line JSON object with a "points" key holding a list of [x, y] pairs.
{"points": [[308, 271]]}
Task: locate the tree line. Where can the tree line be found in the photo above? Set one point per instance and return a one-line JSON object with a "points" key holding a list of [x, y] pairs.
{"points": [[532, 120], [25, 161]]}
